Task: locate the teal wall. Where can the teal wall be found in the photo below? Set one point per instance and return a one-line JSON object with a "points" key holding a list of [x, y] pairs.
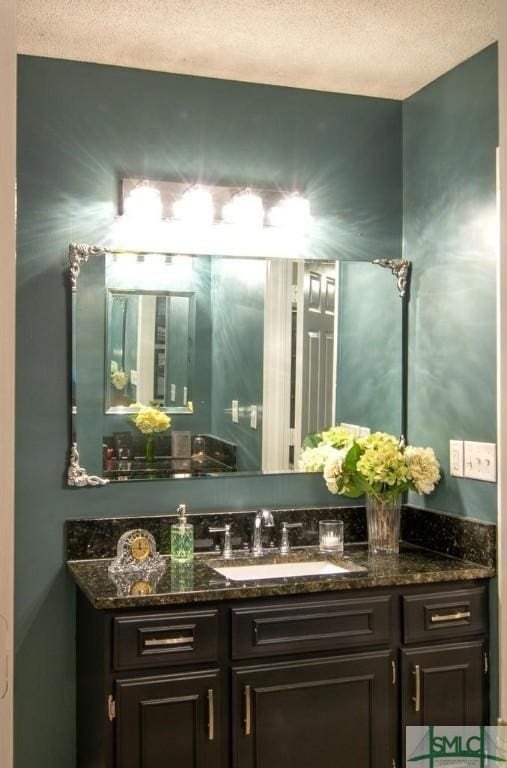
{"points": [[450, 134], [81, 128], [237, 306], [369, 348]]}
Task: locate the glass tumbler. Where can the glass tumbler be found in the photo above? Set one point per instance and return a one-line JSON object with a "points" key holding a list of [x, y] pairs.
{"points": [[331, 536]]}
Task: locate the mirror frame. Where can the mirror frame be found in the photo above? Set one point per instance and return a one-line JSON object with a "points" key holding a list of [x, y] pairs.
{"points": [[79, 253]]}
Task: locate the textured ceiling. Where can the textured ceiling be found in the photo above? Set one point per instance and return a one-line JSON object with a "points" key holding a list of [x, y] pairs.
{"points": [[387, 48]]}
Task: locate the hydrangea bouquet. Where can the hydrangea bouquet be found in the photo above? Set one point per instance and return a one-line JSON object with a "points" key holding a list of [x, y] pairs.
{"points": [[378, 465], [149, 420]]}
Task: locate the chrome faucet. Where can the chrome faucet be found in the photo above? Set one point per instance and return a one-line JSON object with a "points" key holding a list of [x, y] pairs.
{"points": [[263, 516]]}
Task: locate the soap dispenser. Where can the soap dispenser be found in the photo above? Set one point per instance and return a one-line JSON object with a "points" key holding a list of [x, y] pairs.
{"points": [[182, 537]]}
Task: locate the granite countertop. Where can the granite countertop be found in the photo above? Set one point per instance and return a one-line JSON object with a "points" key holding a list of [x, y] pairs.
{"points": [[196, 581]]}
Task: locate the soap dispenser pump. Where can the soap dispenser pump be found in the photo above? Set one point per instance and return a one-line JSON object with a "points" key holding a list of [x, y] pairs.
{"points": [[182, 537]]}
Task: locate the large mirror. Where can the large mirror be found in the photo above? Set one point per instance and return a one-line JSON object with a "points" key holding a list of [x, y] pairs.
{"points": [[191, 366]]}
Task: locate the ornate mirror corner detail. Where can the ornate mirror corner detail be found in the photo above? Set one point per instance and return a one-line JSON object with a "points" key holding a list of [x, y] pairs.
{"points": [[76, 475], [401, 271], [79, 253]]}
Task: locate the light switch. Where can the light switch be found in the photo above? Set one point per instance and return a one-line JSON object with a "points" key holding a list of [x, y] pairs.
{"points": [[185, 395], [173, 392], [235, 411], [133, 377], [456, 458], [253, 416], [355, 429], [480, 461]]}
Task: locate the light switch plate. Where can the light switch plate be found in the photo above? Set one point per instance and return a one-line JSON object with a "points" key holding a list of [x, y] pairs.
{"points": [[480, 461], [355, 429], [253, 416], [456, 458], [235, 411]]}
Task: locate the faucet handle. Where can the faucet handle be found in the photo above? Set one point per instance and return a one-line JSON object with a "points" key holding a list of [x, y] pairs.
{"points": [[226, 530], [284, 544], [266, 516]]}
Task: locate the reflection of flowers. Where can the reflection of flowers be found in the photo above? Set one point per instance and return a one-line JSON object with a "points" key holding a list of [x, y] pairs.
{"points": [[149, 420], [119, 378]]}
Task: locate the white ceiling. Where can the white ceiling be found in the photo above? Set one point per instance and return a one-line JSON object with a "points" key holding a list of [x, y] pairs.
{"points": [[387, 48]]}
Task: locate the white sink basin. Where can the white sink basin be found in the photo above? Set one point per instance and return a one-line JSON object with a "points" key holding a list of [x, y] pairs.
{"points": [[279, 570]]}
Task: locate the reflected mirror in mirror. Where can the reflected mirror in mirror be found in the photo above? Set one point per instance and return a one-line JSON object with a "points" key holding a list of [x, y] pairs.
{"points": [[149, 350], [245, 356]]}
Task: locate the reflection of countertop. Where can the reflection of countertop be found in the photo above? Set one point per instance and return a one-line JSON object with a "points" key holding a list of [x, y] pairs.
{"points": [[197, 582]]}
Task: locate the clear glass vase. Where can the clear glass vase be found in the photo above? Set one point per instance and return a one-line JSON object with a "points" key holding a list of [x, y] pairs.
{"points": [[383, 520], [149, 451]]}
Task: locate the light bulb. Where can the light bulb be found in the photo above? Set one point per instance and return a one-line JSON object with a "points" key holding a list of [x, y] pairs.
{"points": [[143, 203], [292, 212], [244, 209], [195, 207]]}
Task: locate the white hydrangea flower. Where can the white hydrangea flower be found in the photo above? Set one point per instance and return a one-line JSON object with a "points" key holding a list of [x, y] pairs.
{"points": [[333, 468], [423, 468], [313, 459]]}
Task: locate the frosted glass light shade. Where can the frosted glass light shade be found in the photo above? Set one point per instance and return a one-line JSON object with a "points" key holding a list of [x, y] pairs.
{"points": [[143, 203], [245, 209], [293, 212], [195, 207]]}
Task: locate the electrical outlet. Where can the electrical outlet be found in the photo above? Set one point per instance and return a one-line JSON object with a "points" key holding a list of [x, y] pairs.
{"points": [[480, 461], [253, 416], [235, 411], [456, 458]]}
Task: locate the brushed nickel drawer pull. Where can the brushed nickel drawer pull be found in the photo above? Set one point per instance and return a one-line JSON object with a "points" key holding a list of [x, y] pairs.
{"points": [[211, 715], [417, 698], [160, 642], [248, 711], [450, 616]]}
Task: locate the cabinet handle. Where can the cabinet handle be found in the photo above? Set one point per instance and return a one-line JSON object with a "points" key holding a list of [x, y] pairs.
{"points": [[160, 642], [417, 698], [248, 711], [450, 616], [211, 715]]}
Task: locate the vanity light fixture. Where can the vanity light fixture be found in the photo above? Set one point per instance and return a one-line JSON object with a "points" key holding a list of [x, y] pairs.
{"points": [[293, 212], [195, 207], [143, 203], [244, 209]]}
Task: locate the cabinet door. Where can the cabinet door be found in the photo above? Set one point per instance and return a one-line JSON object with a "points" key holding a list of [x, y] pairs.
{"points": [[330, 713], [444, 685], [168, 718]]}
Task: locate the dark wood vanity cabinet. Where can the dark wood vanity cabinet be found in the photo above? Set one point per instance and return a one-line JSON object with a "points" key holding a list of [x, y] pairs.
{"points": [[163, 715], [444, 685], [324, 712], [329, 680]]}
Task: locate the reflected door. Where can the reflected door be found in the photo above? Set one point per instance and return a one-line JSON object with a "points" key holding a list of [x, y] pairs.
{"points": [[315, 361]]}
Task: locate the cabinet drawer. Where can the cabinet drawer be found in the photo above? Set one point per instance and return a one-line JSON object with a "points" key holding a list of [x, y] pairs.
{"points": [[444, 614], [316, 626], [160, 639]]}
